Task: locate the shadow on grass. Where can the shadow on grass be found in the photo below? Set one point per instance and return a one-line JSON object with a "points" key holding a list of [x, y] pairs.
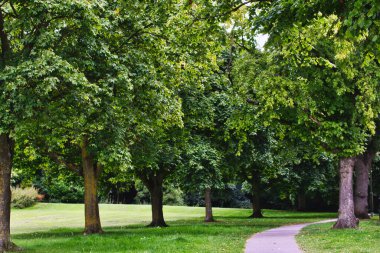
{"points": [[295, 217], [194, 227], [189, 235]]}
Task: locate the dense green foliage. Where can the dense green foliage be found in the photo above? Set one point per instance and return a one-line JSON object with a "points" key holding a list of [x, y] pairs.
{"points": [[166, 102]]}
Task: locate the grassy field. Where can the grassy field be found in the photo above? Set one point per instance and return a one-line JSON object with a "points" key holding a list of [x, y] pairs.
{"points": [[57, 228], [321, 238]]}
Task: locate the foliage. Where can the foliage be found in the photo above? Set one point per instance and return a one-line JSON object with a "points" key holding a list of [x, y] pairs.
{"points": [[173, 196], [319, 85], [23, 197], [201, 166], [55, 182]]}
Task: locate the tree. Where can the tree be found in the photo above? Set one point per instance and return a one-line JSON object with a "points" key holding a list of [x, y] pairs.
{"points": [[363, 166], [31, 34], [318, 84], [155, 156], [201, 169], [252, 142], [182, 54]]}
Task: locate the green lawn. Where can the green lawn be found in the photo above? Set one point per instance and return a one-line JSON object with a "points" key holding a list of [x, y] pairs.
{"points": [[321, 238], [57, 228]]}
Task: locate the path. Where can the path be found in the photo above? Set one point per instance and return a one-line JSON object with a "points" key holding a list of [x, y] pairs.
{"points": [[277, 240]]}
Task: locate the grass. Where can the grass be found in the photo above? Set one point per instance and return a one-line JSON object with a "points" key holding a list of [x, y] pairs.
{"points": [[322, 239], [57, 228]]}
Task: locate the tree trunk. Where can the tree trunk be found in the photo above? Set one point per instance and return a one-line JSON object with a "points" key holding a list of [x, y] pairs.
{"points": [[301, 201], [208, 204], [256, 196], [154, 185], [91, 206], [6, 151], [6, 158], [346, 218], [362, 166]]}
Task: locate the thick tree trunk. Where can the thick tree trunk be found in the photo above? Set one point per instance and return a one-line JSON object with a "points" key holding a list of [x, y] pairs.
{"points": [[256, 196], [362, 166], [91, 206], [154, 185], [301, 201], [6, 151], [208, 206], [346, 218]]}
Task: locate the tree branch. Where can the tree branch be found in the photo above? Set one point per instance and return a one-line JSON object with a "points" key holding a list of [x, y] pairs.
{"points": [[59, 160], [13, 8], [5, 46]]}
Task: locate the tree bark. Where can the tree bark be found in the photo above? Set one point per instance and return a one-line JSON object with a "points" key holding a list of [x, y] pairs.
{"points": [[208, 206], [256, 196], [5, 45], [362, 167], [6, 153], [346, 218], [91, 206], [154, 185], [6, 159]]}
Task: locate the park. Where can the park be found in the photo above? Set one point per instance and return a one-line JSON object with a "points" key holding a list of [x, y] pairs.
{"points": [[190, 126]]}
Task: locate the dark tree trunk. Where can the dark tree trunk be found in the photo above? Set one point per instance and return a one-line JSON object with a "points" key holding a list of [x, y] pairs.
{"points": [[362, 167], [301, 201], [346, 218], [6, 151], [208, 206], [91, 206], [6, 158], [256, 196], [154, 185]]}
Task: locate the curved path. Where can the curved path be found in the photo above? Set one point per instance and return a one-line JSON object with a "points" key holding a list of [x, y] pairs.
{"points": [[277, 240]]}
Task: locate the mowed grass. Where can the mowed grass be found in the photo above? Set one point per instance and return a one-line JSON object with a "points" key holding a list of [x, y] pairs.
{"points": [[57, 228], [320, 238]]}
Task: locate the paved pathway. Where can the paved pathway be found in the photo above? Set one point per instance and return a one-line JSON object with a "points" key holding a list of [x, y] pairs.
{"points": [[277, 240]]}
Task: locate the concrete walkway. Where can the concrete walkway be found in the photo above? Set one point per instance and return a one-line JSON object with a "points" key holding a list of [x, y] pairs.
{"points": [[277, 240]]}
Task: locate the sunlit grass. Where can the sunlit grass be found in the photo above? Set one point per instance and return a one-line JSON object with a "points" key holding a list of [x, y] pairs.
{"points": [[320, 238], [57, 228]]}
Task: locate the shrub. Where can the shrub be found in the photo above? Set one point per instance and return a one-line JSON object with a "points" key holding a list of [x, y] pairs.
{"points": [[173, 197], [23, 197]]}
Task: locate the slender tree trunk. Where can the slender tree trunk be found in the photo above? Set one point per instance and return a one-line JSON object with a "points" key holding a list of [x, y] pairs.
{"points": [[208, 206], [346, 218], [362, 166], [154, 185], [256, 196], [6, 151], [301, 201], [91, 206]]}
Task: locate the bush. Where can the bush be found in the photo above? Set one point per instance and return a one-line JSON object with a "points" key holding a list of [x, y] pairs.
{"points": [[23, 197], [173, 197]]}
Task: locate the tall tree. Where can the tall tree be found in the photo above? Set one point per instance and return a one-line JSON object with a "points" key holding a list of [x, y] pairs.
{"points": [[318, 84], [201, 169], [182, 54], [155, 156], [31, 35]]}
